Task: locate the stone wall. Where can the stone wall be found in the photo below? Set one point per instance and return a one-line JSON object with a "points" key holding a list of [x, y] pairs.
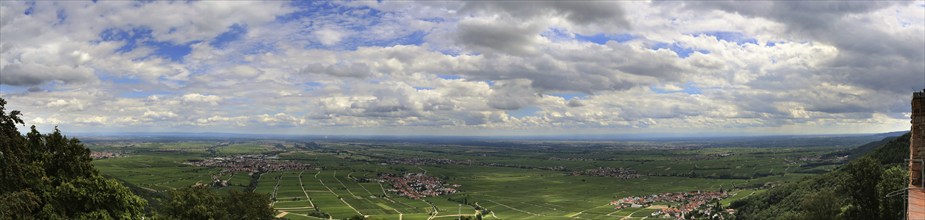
{"points": [[917, 142]]}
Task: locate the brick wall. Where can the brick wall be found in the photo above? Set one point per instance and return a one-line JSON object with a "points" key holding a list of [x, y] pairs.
{"points": [[917, 142]]}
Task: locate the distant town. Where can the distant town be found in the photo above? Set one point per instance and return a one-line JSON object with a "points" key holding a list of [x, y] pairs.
{"points": [[417, 185], [251, 163], [682, 204]]}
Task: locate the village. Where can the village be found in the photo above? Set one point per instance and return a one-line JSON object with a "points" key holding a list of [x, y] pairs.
{"points": [[444, 161], [425, 161], [96, 155], [622, 173], [417, 185], [685, 204], [251, 163]]}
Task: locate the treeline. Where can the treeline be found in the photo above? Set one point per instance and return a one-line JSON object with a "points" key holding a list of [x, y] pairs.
{"points": [[50, 176], [865, 188]]}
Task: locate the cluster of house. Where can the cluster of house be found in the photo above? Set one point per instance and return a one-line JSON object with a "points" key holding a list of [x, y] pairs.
{"points": [[622, 173], [686, 203], [252, 163], [444, 161], [104, 154], [570, 159], [417, 185], [427, 161]]}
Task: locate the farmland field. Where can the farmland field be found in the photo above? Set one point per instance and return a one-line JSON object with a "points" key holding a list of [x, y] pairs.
{"points": [[494, 180]]}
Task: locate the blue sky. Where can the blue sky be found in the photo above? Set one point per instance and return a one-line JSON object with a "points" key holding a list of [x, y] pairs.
{"points": [[462, 68]]}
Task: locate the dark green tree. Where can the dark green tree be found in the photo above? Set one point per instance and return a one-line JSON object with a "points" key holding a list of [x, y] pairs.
{"points": [[196, 202], [248, 205], [861, 187], [822, 205], [200, 202], [893, 179], [48, 176]]}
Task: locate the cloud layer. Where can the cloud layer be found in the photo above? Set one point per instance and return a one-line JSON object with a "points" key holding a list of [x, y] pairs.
{"points": [[467, 68]]}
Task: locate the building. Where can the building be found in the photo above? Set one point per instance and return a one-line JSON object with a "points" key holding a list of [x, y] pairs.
{"points": [[916, 207]]}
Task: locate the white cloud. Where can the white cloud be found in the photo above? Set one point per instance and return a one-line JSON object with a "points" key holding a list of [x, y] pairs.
{"points": [[467, 66], [199, 98], [329, 36]]}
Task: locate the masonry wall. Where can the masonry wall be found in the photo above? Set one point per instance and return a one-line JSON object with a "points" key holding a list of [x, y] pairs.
{"points": [[917, 142]]}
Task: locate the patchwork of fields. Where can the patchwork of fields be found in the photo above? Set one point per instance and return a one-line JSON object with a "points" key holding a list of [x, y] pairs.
{"points": [[508, 183]]}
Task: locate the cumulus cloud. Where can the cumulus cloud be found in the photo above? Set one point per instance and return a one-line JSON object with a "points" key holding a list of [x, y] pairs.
{"points": [[200, 98], [503, 36], [576, 12], [512, 95], [329, 36], [33, 74], [788, 67]]}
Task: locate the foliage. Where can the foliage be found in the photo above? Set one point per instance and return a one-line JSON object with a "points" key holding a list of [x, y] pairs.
{"points": [[893, 179], [199, 202], [861, 186], [893, 152], [49, 176], [821, 206], [856, 190]]}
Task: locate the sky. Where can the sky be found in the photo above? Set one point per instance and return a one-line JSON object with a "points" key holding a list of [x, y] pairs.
{"points": [[478, 68]]}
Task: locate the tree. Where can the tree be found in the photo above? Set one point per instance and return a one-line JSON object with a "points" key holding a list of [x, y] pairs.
{"points": [[248, 205], [197, 202], [200, 202], [893, 179], [861, 186], [821, 205], [49, 176]]}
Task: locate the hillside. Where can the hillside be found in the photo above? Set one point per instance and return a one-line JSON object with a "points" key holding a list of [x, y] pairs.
{"points": [[862, 150], [854, 191]]}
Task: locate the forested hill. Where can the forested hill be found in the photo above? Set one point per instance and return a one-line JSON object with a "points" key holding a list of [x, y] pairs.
{"points": [[862, 150], [50, 176], [856, 190]]}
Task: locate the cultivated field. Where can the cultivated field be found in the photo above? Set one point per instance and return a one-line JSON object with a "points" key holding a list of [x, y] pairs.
{"points": [[525, 180]]}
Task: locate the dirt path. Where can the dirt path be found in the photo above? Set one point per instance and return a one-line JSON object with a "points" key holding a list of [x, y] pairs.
{"points": [[276, 188], [303, 191], [345, 186], [361, 185], [433, 207], [335, 194], [383, 189], [387, 198], [281, 214], [631, 214], [583, 211], [515, 209]]}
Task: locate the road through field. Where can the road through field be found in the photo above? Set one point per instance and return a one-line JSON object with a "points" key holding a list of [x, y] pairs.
{"points": [[338, 196], [433, 207], [515, 209], [303, 190], [361, 185], [276, 188], [631, 214], [345, 186], [583, 211]]}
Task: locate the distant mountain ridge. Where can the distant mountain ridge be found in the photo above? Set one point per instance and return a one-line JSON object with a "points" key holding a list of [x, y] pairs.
{"points": [[872, 146]]}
